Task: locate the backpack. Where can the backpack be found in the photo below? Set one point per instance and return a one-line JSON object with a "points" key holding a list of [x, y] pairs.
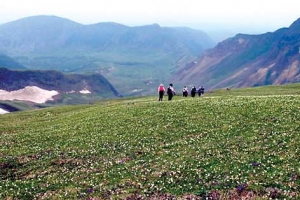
{"points": [[161, 88], [169, 91]]}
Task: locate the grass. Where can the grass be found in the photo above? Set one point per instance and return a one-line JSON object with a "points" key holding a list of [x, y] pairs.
{"points": [[228, 145], [15, 105]]}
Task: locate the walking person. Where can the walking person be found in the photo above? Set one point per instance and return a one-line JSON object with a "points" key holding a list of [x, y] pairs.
{"points": [[170, 92], [193, 91], [185, 91], [161, 91], [201, 93]]}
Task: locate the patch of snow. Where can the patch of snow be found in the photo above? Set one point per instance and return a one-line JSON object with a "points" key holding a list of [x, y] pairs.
{"points": [[72, 91], [136, 90], [241, 41], [29, 93], [2, 111], [85, 92]]}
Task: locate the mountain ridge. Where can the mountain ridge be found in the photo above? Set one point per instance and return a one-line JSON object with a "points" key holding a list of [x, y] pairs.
{"points": [[95, 84], [248, 60]]}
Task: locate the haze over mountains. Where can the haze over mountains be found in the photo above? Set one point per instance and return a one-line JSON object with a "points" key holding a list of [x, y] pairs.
{"points": [[134, 59]]}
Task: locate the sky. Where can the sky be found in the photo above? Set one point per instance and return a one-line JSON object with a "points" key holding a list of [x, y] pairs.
{"points": [[240, 16]]}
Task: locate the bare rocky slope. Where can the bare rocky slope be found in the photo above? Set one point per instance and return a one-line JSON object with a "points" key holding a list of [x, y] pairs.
{"points": [[248, 60]]}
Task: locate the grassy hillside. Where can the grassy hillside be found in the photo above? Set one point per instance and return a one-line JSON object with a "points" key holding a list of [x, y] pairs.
{"points": [[13, 106], [226, 145]]}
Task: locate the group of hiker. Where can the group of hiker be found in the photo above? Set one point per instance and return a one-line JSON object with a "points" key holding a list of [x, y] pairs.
{"points": [[161, 91], [194, 91], [171, 91]]}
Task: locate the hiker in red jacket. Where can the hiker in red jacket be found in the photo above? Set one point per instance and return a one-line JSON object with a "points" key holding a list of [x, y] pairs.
{"points": [[161, 91]]}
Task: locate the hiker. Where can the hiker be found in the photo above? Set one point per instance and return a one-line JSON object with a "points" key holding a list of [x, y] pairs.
{"points": [[170, 92], [193, 91], [201, 91], [185, 91], [161, 91]]}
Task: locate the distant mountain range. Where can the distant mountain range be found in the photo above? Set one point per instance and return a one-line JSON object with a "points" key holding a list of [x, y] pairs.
{"points": [[247, 60], [134, 59], [72, 88]]}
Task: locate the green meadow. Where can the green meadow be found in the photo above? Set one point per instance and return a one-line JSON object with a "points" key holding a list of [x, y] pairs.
{"points": [[229, 144]]}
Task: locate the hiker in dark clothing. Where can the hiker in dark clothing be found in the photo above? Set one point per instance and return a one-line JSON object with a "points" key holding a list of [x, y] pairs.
{"points": [[170, 92], [201, 91], [185, 91], [193, 91]]}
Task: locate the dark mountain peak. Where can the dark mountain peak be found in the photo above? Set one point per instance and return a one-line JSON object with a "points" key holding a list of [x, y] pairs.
{"points": [[245, 41], [37, 26], [296, 24], [155, 25], [105, 27], [41, 21], [150, 27], [36, 32], [236, 43], [294, 28], [108, 24]]}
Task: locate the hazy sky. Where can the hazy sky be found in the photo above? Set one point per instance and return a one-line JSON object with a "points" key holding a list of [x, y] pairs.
{"points": [[255, 15]]}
